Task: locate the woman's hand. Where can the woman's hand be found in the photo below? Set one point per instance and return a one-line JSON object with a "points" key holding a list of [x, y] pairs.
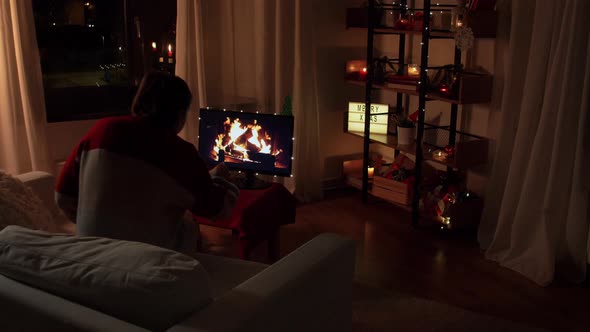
{"points": [[220, 170]]}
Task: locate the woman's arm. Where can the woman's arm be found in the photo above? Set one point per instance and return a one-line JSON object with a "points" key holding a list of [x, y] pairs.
{"points": [[66, 190]]}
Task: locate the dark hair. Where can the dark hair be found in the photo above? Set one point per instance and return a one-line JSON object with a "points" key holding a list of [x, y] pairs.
{"points": [[162, 97]]}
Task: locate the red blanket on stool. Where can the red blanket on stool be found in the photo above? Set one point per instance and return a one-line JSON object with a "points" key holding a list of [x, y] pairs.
{"points": [[258, 215]]}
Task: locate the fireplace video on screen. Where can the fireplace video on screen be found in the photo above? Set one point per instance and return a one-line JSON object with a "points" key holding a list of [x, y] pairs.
{"points": [[261, 143]]}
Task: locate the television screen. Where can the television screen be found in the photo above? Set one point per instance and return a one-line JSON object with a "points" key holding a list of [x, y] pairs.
{"points": [[251, 142]]}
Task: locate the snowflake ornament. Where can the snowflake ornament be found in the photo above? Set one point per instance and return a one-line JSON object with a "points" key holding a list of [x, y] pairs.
{"points": [[464, 38]]}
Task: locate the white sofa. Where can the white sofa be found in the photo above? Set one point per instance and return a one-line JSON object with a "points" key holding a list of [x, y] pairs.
{"points": [[308, 290]]}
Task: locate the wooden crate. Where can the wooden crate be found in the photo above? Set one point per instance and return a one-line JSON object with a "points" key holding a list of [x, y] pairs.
{"points": [[470, 150], [391, 190], [471, 153], [475, 88]]}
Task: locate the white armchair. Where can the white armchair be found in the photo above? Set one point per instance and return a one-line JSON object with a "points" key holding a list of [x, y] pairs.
{"points": [[308, 290]]}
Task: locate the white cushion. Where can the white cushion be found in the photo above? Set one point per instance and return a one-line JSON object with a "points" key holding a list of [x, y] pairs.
{"points": [[142, 284], [20, 206]]}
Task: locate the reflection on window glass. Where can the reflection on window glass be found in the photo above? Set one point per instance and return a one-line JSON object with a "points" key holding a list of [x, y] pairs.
{"points": [[94, 53], [81, 43]]}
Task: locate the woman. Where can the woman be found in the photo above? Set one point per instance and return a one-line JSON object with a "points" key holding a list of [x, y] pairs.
{"points": [[133, 178]]}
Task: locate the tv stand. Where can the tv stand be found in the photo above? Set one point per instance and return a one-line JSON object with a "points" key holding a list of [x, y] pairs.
{"points": [[249, 181]]}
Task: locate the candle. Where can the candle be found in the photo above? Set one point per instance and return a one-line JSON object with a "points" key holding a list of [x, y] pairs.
{"points": [[170, 50], [154, 46], [439, 155], [371, 171], [363, 74], [413, 70]]}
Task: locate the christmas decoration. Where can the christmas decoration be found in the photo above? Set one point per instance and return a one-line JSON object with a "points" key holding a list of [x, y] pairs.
{"points": [[450, 151], [403, 23], [464, 38]]}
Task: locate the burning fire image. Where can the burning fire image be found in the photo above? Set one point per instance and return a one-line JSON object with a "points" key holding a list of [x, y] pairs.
{"points": [[246, 142]]}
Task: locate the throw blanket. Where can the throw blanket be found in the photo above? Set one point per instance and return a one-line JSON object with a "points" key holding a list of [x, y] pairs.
{"points": [[20, 206]]}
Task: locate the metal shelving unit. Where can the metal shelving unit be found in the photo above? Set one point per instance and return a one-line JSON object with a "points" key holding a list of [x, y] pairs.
{"points": [[424, 96]]}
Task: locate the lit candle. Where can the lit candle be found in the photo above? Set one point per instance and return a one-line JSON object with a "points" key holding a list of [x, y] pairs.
{"points": [[170, 50], [363, 73], [413, 70], [439, 155], [154, 46], [371, 171]]}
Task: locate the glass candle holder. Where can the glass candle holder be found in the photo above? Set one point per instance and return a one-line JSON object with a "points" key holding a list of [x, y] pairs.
{"points": [[459, 14]]}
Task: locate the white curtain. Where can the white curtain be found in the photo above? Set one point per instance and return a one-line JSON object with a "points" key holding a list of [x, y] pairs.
{"points": [[189, 60], [537, 216], [258, 52], [305, 106], [22, 106]]}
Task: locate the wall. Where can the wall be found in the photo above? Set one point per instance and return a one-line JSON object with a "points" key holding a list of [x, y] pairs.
{"points": [[62, 138], [334, 46]]}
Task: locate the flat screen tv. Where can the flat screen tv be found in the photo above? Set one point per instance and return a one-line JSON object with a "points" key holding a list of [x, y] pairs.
{"points": [[252, 143]]}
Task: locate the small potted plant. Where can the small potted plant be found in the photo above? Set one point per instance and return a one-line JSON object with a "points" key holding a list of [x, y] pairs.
{"points": [[405, 129]]}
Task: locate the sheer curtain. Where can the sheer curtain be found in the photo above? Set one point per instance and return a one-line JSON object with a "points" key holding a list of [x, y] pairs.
{"points": [[259, 52], [22, 106], [189, 60], [536, 220]]}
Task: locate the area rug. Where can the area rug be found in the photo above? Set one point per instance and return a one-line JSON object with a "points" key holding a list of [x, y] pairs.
{"points": [[376, 310]]}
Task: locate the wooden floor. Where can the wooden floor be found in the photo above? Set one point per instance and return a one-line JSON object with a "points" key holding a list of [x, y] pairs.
{"points": [[443, 267]]}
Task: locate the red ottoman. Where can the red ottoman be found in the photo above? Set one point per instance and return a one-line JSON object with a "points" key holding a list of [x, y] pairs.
{"points": [[257, 218]]}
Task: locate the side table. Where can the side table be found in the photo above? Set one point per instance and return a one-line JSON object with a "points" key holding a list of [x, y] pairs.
{"points": [[257, 217]]}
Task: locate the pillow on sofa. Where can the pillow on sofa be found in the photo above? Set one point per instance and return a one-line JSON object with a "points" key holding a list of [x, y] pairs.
{"points": [[148, 286], [20, 206]]}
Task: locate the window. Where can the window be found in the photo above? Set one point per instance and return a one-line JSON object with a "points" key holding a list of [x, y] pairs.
{"points": [[94, 53]]}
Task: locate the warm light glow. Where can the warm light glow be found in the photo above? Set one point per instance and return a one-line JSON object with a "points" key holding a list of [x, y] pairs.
{"points": [[371, 171], [459, 24], [439, 155], [154, 45], [169, 47], [364, 69], [87, 4], [413, 70]]}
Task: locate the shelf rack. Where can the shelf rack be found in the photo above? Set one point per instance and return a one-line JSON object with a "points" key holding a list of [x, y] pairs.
{"points": [[475, 146]]}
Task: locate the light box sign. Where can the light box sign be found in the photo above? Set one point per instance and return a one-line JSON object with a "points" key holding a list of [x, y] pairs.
{"points": [[379, 117]]}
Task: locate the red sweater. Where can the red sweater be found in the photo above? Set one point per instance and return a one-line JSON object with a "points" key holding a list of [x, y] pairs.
{"points": [[129, 179]]}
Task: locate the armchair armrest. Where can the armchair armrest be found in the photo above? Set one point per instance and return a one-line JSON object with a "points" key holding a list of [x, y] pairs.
{"points": [[308, 290]]}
